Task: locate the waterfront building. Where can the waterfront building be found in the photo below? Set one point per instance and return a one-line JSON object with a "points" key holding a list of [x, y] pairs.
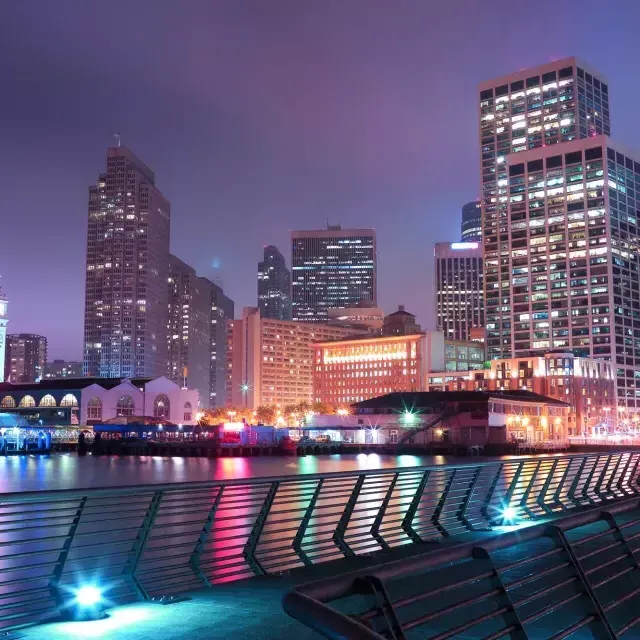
{"points": [[72, 401], [274, 285], [331, 269], [587, 385], [127, 266], [471, 227], [400, 323], [25, 357], [63, 369], [196, 321], [459, 288], [364, 317], [4, 319], [271, 361], [529, 113], [459, 419]]}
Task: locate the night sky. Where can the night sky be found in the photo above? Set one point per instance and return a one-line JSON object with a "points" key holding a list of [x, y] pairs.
{"points": [[259, 116]]}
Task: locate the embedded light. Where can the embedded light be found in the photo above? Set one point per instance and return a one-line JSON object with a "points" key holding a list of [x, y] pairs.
{"points": [[88, 596], [244, 387], [408, 416], [509, 514]]}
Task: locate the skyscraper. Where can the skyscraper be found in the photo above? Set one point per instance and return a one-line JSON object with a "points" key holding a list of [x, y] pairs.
{"points": [[274, 286], [535, 108], [459, 288], [196, 335], [25, 357], [332, 269], [471, 227], [560, 225], [126, 311], [4, 305]]}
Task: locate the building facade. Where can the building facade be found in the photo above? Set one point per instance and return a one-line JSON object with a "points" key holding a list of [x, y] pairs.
{"points": [[471, 227], [459, 288], [4, 319], [534, 109], [270, 362], [331, 269], [222, 310], [400, 323], [463, 355], [587, 385], [195, 320], [274, 285], [126, 310], [352, 370], [63, 369], [25, 358]]}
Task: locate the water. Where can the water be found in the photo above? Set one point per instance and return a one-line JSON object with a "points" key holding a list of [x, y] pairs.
{"points": [[68, 471]]}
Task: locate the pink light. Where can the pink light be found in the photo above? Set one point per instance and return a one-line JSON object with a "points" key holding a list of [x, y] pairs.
{"points": [[233, 426]]}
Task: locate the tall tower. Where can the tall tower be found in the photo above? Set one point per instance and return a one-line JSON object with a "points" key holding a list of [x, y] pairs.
{"points": [[126, 305], [543, 107], [471, 227], [4, 319], [332, 269], [274, 285]]}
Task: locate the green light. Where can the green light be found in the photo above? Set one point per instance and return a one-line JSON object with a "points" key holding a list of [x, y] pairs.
{"points": [[409, 417]]}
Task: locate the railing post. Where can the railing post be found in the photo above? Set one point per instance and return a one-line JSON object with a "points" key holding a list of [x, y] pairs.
{"points": [[540, 500], [559, 488], [527, 491], [194, 560], [131, 566], [612, 477], [576, 480], [343, 523], [435, 518], [601, 478], [487, 501], [407, 521], [587, 484], [302, 529], [249, 551], [58, 570], [375, 527], [467, 500]]}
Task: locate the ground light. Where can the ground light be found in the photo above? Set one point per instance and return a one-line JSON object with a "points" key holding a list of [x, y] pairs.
{"points": [[509, 515], [88, 603]]}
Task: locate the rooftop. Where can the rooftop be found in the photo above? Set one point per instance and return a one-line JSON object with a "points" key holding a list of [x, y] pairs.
{"points": [[427, 399], [70, 383]]}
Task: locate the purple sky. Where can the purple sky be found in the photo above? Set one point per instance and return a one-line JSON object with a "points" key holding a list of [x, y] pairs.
{"points": [[259, 116]]}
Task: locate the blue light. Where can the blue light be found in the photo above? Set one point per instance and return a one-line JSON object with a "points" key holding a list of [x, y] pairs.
{"points": [[510, 514], [88, 596]]}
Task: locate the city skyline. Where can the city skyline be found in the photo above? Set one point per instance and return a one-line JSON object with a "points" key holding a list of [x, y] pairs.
{"points": [[405, 200]]}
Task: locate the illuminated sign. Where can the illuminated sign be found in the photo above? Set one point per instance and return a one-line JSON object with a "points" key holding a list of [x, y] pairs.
{"points": [[464, 245], [233, 426]]}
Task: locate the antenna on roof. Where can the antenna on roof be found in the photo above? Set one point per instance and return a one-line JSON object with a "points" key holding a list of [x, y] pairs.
{"points": [[117, 137]]}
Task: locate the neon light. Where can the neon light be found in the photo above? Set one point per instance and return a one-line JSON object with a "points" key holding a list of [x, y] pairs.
{"points": [[233, 426], [464, 245]]}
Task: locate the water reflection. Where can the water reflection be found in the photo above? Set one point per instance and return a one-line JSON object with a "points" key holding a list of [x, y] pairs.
{"points": [[68, 471]]}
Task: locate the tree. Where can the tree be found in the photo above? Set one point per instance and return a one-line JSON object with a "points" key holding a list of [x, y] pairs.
{"points": [[324, 408], [266, 414]]}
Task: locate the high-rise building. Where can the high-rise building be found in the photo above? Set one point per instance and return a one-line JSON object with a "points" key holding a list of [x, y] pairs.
{"points": [[196, 340], [561, 234], [58, 369], [270, 362], [126, 311], [331, 269], [532, 109], [4, 319], [222, 310], [25, 358], [471, 227], [274, 285], [459, 288], [400, 323]]}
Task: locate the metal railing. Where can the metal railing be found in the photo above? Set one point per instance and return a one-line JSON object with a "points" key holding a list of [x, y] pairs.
{"points": [[577, 575], [148, 541]]}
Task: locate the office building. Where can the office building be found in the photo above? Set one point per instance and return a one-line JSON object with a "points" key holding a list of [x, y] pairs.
{"points": [[471, 228], [270, 362], [587, 385], [400, 323], [222, 310], [25, 358], [534, 109], [58, 369], [459, 288], [196, 340], [364, 317], [331, 269], [355, 369], [274, 285], [463, 355], [126, 310], [4, 319]]}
